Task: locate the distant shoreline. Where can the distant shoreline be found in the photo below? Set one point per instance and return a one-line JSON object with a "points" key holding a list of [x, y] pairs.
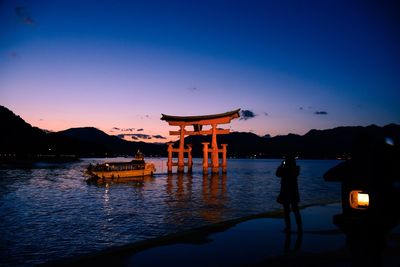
{"points": [[30, 160]]}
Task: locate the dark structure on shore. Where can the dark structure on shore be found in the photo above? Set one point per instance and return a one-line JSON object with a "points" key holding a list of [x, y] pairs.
{"points": [[370, 184]]}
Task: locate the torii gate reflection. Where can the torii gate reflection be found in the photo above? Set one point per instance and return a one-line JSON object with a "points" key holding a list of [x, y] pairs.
{"points": [[198, 122]]}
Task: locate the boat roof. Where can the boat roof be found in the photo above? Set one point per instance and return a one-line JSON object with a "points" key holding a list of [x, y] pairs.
{"points": [[135, 161], [232, 114]]}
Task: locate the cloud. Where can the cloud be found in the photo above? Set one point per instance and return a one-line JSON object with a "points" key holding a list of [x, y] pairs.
{"points": [[137, 136], [159, 137], [193, 89], [13, 54], [246, 114], [122, 129], [29, 21], [140, 130], [142, 136], [127, 129], [24, 15], [311, 108]]}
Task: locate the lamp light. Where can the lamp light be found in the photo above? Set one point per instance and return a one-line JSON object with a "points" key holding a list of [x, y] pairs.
{"points": [[359, 199]]}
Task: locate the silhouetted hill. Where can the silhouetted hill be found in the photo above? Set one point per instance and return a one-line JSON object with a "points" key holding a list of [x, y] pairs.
{"points": [[95, 142], [240, 144], [21, 140], [340, 141], [88, 134], [17, 136], [316, 144]]}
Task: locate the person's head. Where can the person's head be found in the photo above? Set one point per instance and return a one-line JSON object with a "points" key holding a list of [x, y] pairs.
{"points": [[290, 160]]}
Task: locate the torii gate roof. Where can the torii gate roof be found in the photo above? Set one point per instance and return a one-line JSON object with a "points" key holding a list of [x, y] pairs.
{"points": [[203, 119]]}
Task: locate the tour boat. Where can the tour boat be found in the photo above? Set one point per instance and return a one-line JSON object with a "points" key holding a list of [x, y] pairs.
{"points": [[121, 170]]}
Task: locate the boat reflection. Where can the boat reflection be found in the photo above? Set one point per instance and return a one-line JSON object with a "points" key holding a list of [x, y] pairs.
{"points": [[134, 181]]}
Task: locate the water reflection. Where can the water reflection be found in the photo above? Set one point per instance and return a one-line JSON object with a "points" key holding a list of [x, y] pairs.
{"points": [[107, 205], [106, 193], [179, 186], [182, 197], [288, 242], [214, 197], [134, 181]]}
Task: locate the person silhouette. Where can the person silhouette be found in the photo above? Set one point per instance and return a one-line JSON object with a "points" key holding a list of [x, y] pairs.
{"points": [[288, 196]]}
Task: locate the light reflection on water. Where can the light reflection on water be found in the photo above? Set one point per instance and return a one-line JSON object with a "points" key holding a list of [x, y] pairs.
{"points": [[49, 213]]}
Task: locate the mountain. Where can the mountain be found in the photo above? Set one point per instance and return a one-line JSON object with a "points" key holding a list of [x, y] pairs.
{"points": [[240, 144], [21, 140], [316, 144], [19, 137], [97, 143]]}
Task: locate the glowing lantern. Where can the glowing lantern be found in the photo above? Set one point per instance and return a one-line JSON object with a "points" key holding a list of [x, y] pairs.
{"points": [[359, 199]]}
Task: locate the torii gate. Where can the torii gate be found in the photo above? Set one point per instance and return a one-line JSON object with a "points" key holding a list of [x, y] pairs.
{"points": [[198, 122]]}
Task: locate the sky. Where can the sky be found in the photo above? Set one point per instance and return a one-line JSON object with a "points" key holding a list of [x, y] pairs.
{"points": [[291, 66]]}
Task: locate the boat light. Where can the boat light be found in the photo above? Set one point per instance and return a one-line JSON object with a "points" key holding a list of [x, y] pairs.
{"points": [[359, 199]]}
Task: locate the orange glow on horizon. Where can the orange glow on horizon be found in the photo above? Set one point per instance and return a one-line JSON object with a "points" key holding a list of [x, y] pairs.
{"points": [[60, 120]]}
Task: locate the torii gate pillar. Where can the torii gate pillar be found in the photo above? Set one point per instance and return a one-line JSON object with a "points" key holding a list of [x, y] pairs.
{"points": [[214, 149], [181, 157]]}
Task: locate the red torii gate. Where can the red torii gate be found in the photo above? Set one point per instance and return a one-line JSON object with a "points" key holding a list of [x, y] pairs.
{"points": [[198, 122]]}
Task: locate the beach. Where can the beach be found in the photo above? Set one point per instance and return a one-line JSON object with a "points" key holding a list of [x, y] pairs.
{"points": [[250, 241]]}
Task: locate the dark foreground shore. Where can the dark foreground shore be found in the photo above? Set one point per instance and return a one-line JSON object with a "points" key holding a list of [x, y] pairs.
{"points": [[251, 241]]}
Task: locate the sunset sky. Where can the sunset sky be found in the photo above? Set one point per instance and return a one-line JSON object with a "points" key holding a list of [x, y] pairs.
{"points": [[117, 65]]}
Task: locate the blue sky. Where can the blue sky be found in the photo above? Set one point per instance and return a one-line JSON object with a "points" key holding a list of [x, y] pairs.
{"points": [[297, 65]]}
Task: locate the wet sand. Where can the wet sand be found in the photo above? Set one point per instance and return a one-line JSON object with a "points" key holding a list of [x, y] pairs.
{"points": [[251, 241]]}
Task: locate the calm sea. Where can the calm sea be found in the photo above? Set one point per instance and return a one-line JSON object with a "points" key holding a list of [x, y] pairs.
{"points": [[50, 212]]}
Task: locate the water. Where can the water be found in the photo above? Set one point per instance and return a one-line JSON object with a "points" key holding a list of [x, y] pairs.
{"points": [[50, 212]]}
